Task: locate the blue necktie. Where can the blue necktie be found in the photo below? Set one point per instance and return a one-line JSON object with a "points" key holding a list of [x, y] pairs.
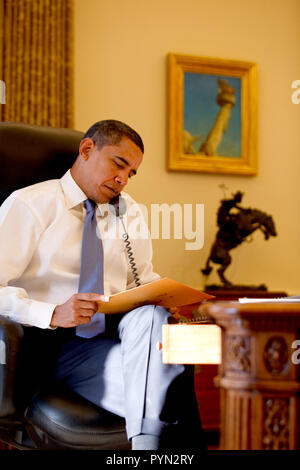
{"points": [[91, 269]]}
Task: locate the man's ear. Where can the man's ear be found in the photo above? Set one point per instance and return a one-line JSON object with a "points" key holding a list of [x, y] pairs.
{"points": [[85, 147]]}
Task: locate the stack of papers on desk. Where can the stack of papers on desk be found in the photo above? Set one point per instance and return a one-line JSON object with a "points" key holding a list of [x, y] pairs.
{"points": [[248, 300]]}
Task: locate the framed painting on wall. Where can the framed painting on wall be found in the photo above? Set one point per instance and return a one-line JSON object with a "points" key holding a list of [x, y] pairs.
{"points": [[212, 115]]}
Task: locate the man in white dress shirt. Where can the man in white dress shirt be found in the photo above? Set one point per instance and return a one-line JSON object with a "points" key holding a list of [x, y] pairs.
{"points": [[41, 230]]}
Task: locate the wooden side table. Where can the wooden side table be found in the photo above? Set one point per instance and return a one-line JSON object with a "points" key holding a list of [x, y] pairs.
{"points": [[259, 377]]}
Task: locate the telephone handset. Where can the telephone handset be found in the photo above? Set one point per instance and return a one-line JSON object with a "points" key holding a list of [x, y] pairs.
{"points": [[119, 205]]}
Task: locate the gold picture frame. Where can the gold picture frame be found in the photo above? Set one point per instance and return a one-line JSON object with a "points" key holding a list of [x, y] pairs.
{"points": [[214, 102]]}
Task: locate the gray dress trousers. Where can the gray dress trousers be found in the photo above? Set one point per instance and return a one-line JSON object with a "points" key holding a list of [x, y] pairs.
{"points": [[122, 371]]}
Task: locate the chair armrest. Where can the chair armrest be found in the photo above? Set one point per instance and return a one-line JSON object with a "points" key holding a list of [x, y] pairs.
{"points": [[11, 334]]}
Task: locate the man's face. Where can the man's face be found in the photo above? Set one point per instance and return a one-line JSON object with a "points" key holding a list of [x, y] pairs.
{"points": [[104, 173]]}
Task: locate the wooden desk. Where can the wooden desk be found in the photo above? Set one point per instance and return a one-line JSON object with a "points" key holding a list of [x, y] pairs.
{"points": [[190, 343], [259, 377]]}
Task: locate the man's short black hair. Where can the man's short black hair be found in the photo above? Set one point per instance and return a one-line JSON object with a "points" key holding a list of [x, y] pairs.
{"points": [[110, 132]]}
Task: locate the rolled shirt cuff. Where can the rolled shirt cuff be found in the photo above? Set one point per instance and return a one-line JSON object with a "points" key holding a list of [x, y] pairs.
{"points": [[40, 314]]}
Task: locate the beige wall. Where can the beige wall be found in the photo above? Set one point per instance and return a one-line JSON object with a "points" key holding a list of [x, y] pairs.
{"points": [[120, 72]]}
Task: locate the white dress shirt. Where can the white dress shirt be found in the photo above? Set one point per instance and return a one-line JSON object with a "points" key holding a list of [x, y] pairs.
{"points": [[40, 249]]}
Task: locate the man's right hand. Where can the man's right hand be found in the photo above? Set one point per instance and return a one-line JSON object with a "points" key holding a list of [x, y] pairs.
{"points": [[78, 310]]}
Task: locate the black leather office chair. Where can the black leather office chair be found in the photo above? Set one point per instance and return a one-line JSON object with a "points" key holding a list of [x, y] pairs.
{"points": [[55, 419]]}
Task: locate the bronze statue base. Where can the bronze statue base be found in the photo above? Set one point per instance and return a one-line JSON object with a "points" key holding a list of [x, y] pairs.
{"points": [[235, 287], [236, 292]]}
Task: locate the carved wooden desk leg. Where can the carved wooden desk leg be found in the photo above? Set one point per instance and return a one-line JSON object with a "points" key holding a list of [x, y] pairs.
{"points": [[259, 377]]}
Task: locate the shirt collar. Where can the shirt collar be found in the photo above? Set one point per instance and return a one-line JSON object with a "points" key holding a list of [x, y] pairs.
{"points": [[73, 194]]}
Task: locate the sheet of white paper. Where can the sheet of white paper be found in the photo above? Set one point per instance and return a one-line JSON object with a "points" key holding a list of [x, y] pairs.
{"points": [[247, 300]]}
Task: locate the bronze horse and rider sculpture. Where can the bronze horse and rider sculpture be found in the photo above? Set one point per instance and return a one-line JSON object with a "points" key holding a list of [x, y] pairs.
{"points": [[235, 225]]}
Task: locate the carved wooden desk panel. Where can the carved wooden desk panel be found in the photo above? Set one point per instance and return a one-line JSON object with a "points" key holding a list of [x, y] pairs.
{"points": [[259, 377]]}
